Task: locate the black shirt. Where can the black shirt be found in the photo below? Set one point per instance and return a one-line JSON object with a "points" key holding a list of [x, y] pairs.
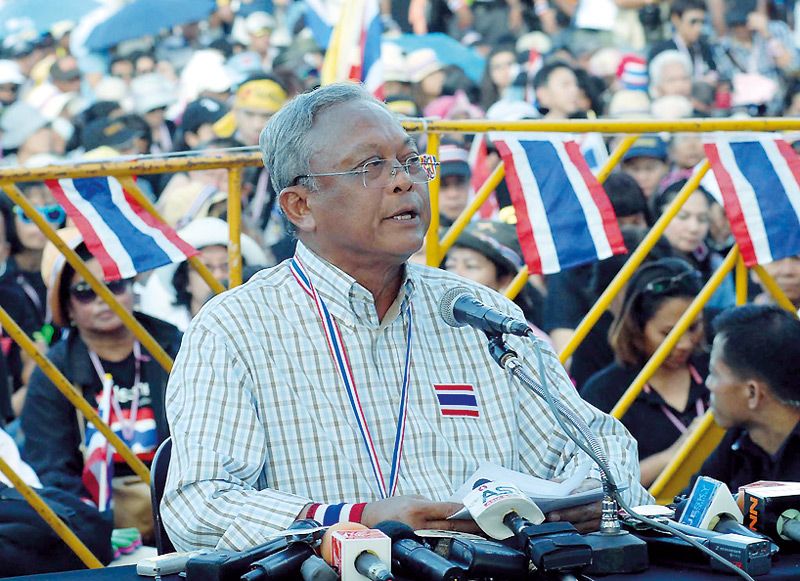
{"points": [[648, 418], [738, 460], [568, 298]]}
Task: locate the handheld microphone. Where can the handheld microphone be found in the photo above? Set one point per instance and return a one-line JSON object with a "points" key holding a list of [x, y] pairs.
{"points": [[773, 510], [481, 558], [357, 552], [315, 569], [459, 308], [285, 564], [415, 560], [489, 502]]}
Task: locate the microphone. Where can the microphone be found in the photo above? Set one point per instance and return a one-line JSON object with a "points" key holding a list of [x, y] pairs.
{"points": [[415, 560], [459, 308], [315, 569], [285, 564], [489, 502], [773, 510], [357, 552], [708, 504], [481, 558]]}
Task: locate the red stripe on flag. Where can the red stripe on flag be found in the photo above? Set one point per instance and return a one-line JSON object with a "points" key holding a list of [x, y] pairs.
{"points": [[452, 387], [598, 193], [90, 237], [732, 207], [468, 413], [168, 232], [792, 160], [524, 228]]}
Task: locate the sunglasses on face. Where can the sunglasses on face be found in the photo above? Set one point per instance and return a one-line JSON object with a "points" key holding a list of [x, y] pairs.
{"points": [[53, 213], [85, 294], [668, 283]]}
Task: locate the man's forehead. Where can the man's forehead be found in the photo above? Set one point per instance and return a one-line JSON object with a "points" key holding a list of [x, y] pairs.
{"points": [[336, 125]]}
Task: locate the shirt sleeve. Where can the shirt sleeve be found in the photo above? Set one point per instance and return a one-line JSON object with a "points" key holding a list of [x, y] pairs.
{"points": [[215, 494], [563, 457]]}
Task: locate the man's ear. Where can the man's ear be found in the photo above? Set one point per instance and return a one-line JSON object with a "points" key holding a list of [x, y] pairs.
{"points": [[294, 203], [756, 394]]}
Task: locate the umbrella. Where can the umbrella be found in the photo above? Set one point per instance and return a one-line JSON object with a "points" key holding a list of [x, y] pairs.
{"points": [[42, 14], [448, 51], [146, 18]]}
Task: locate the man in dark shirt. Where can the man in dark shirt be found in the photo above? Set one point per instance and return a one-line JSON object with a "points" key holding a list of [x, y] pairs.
{"points": [[755, 362]]}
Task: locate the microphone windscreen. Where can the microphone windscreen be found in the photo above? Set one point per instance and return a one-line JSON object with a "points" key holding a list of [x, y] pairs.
{"points": [[325, 546], [397, 531], [448, 302]]}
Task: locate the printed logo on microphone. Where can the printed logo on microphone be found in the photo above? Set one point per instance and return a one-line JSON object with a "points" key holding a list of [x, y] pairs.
{"points": [[457, 400]]}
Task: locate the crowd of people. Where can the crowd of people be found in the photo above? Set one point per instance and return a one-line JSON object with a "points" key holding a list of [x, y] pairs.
{"points": [[213, 86]]}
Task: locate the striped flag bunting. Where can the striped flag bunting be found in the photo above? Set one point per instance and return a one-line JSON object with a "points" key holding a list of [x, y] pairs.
{"points": [[457, 400], [354, 49], [564, 217], [123, 237], [759, 179]]}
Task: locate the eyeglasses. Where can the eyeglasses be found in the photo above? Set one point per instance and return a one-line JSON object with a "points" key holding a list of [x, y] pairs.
{"points": [[84, 294], [53, 213], [668, 283], [380, 172]]}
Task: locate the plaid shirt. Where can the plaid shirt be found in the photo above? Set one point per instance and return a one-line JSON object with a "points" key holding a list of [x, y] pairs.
{"points": [[262, 425]]}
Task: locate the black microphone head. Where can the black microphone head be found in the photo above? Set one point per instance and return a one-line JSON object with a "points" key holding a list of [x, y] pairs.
{"points": [[448, 302], [396, 530]]}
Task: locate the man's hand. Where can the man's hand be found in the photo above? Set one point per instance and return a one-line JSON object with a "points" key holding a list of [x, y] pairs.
{"points": [[586, 517], [418, 513]]}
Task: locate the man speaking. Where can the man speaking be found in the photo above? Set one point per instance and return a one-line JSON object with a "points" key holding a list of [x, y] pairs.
{"points": [[320, 388]]}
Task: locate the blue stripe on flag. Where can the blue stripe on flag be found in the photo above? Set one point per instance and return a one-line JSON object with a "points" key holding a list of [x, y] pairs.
{"points": [[780, 218], [372, 45], [571, 236], [456, 399], [145, 253], [320, 29]]}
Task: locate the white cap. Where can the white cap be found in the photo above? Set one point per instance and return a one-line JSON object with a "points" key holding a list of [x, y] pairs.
{"points": [[10, 73]]}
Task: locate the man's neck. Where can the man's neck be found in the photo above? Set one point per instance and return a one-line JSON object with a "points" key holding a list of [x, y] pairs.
{"points": [[114, 346], [28, 260], [771, 433]]}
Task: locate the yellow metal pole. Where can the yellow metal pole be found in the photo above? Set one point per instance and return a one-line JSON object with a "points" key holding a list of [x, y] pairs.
{"points": [[131, 187], [773, 288], [677, 332], [72, 394], [615, 157], [98, 286], [51, 518], [235, 226], [740, 276], [432, 236], [632, 264], [461, 222]]}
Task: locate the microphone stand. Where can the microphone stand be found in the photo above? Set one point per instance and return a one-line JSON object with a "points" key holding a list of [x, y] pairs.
{"points": [[624, 553]]}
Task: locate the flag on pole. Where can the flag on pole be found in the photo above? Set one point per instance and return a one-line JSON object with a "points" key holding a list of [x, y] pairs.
{"points": [[354, 50], [98, 469], [594, 151], [564, 217], [759, 178], [123, 237]]}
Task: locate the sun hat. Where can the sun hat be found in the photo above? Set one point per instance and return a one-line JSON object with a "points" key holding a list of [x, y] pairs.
{"points": [[52, 270], [497, 241]]}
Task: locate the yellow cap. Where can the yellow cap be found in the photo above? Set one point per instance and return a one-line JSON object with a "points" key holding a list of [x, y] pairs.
{"points": [[260, 95]]}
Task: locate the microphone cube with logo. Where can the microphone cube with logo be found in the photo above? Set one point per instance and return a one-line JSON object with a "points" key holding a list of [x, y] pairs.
{"points": [[347, 546], [774, 511], [489, 502]]}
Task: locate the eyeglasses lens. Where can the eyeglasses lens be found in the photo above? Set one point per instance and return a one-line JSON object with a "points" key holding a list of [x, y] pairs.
{"points": [[85, 294], [420, 170]]}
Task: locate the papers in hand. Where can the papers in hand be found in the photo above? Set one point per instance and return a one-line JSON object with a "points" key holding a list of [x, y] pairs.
{"points": [[547, 495]]}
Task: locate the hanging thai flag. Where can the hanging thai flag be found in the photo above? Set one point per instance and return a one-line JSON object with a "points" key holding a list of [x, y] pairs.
{"points": [[320, 21], [354, 50], [123, 237], [478, 163], [98, 469], [564, 217], [759, 177]]}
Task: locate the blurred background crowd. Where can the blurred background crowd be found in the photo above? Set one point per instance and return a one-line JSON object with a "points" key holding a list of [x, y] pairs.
{"points": [[85, 81]]}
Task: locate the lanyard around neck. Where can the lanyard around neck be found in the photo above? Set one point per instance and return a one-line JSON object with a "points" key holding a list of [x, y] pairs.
{"points": [[339, 354], [129, 424], [699, 406]]}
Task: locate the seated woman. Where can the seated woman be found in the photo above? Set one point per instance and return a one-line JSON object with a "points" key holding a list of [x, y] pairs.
{"points": [[59, 440], [656, 297]]}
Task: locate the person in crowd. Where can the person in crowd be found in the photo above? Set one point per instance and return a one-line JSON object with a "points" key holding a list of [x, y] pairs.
{"points": [[11, 80], [786, 273], [255, 102], [557, 91], [97, 344], [243, 405], [670, 75], [660, 418], [499, 73], [489, 252], [687, 233], [688, 18], [176, 292], [646, 162], [152, 95], [752, 378], [27, 133], [197, 123], [455, 187]]}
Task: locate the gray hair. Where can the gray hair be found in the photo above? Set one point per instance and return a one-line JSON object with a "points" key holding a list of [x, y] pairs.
{"points": [[286, 143], [661, 60]]}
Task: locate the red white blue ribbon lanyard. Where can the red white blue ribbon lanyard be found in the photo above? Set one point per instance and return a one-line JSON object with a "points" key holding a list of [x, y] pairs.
{"points": [[128, 425], [339, 354]]}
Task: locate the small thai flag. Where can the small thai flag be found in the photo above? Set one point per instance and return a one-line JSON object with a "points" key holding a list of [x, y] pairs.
{"points": [[457, 400], [123, 237], [759, 177], [564, 217]]}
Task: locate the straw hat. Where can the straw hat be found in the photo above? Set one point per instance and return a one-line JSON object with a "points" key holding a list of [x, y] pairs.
{"points": [[52, 268]]}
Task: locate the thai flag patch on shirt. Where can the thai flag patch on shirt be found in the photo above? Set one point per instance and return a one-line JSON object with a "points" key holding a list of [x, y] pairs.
{"points": [[457, 400]]}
